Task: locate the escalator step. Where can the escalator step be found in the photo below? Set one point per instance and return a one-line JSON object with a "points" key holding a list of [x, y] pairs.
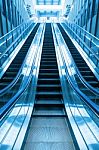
{"points": [[48, 67], [50, 101], [49, 81], [49, 111], [48, 95], [48, 71], [48, 75], [48, 88], [89, 78]]}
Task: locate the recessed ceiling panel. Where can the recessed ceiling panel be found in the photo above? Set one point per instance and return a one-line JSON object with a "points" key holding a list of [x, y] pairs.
{"points": [[48, 2]]}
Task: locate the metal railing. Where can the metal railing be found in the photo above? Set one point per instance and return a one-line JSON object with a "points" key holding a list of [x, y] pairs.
{"points": [[91, 40], [88, 42], [8, 38], [10, 41]]}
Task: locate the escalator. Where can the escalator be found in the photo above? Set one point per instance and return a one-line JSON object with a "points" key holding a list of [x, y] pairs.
{"points": [[82, 66], [48, 127], [14, 67]]}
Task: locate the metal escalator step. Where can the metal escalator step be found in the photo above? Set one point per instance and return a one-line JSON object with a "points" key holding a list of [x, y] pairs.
{"points": [[49, 61], [86, 91], [89, 78], [95, 99], [83, 68], [76, 54], [3, 85], [48, 106], [8, 74], [48, 122], [11, 69], [94, 83], [48, 75], [48, 110], [47, 56], [49, 88], [6, 79], [48, 71], [48, 51], [50, 101], [80, 61], [49, 81], [48, 46], [87, 72], [14, 65], [78, 58], [48, 95], [47, 133], [48, 67], [80, 64]]}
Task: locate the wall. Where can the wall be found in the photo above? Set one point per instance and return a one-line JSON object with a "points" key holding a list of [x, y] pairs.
{"points": [[86, 14], [12, 14]]}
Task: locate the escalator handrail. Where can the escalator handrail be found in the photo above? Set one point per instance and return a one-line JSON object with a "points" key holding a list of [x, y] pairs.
{"points": [[85, 98], [13, 100], [94, 90], [15, 29], [9, 86], [92, 37], [89, 49], [7, 50], [5, 109]]}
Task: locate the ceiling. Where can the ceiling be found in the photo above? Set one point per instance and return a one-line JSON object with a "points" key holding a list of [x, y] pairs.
{"points": [[48, 2], [49, 8]]}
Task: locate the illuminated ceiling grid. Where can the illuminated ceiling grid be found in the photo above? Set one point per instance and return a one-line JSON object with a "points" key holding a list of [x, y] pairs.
{"points": [[48, 2]]}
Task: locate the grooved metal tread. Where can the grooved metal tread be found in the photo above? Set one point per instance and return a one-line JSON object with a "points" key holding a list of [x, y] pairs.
{"points": [[48, 102], [49, 134]]}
